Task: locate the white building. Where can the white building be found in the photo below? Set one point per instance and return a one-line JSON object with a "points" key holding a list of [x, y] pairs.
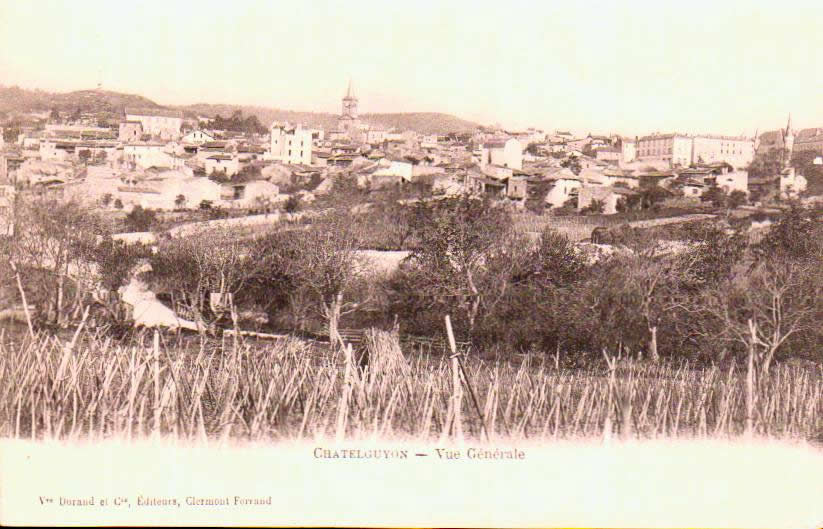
{"points": [[291, 145], [629, 150], [608, 196], [145, 155], [428, 141], [792, 183], [159, 122], [683, 150], [736, 151], [504, 153], [608, 177], [675, 149], [566, 186], [399, 167], [733, 181], [197, 137], [222, 163]]}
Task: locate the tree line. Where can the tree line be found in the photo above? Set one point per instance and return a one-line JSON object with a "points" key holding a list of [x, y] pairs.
{"points": [[701, 291]]}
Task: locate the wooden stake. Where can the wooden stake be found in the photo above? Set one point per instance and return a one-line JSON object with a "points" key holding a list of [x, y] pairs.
{"points": [[457, 389], [343, 409], [156, 365], [23, 297], [749, 432]]}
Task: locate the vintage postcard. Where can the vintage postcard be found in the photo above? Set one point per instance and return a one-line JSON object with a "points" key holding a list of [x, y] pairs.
{"points": [[411, 264]]}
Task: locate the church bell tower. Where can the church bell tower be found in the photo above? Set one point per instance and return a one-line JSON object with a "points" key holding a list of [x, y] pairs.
{"points": [[350, 103]]}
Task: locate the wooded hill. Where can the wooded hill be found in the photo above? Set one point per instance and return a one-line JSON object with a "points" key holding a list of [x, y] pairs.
{"points": [[16, 99]]}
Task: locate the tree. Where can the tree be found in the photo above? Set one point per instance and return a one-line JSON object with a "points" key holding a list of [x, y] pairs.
{"points": [[536, 199], [54, 115], [555, 261], [803, 161], [796, 235], [180, 201], [569, 207], [320, 263], [140, 219], [84, 155], [118, 204], [213, 261], [651, 196], [762, 311], [292, 204], [767, 164], [458, 241], [115, 262], [205, 204], [715, 196], [736, 199], [595, 207], [10, 133], [106, 199], [573, 163], [53, 245]]}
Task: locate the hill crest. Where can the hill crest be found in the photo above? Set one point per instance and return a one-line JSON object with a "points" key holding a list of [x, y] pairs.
{"points": [[16, 99]]}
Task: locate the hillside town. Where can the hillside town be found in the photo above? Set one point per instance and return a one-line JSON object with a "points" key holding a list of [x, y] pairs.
{"points": [[438, 264], [160, 159]]}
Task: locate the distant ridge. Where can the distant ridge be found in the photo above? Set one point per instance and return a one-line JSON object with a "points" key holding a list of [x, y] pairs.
{"points": [[16, 99], [19, 99], [422, 122]]}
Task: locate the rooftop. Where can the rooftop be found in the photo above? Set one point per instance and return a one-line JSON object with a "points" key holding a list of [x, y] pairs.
{"points": [[159, 112]]}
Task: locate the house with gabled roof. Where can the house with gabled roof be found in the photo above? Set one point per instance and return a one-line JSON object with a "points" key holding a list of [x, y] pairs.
{"points": [[197, 137], [161, 122], [502, 152], [227, 164]]}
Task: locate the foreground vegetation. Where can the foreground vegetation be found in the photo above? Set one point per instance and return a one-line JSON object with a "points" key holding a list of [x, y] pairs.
{"points": [[89, 386], [705, 291]]}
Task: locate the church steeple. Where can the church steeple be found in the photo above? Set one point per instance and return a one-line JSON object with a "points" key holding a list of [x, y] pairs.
{"points": [[350, 103], [788, 142]]}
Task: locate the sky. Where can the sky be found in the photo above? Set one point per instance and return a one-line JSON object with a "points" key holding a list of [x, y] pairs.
{"points": [[608, 66]]}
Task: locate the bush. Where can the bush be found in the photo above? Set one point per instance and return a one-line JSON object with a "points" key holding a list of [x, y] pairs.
{"points": [[293, 204], [140, 219], [596, 207]]}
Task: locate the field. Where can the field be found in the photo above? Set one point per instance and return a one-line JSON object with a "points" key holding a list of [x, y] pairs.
{"points": [[88, 387]]}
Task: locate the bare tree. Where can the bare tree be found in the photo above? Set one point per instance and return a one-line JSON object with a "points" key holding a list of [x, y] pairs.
{"points": [[197, 269], [321, 262], [762, 311], [52, 247]]}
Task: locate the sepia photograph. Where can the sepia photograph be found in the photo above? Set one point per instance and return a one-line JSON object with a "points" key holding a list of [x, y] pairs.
{"points": [[411, 264]]}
